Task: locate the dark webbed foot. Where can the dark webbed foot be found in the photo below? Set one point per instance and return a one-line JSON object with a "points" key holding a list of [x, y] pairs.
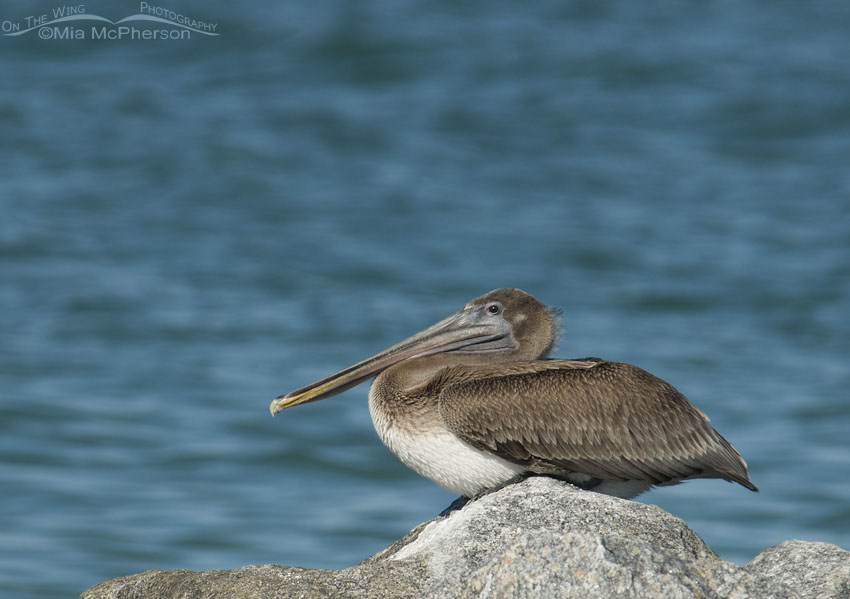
{"points": [[462, 501], [455, 505], [511, 481]]}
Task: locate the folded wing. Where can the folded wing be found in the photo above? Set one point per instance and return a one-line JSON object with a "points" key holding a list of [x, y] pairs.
{"points": [[586, 418]]}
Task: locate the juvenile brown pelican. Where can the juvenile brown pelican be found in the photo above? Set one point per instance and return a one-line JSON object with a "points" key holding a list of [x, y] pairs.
{"points": [[472, 403]]}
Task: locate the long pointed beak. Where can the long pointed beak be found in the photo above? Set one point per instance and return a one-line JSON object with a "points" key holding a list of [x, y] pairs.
{"points": [[469, 330]]}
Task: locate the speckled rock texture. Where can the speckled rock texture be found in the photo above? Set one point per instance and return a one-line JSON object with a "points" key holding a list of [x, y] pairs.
{"points": [[537, 539]]}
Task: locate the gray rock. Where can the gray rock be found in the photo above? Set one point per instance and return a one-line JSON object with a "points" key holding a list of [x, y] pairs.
{"points": [[814, 570], [539, 538]]}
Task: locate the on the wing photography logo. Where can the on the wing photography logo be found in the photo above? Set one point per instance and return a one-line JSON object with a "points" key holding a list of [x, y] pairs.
{"points": [[74, 22]]}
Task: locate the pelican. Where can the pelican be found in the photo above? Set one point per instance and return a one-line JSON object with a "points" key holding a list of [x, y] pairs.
{"points": [[474, 403]]}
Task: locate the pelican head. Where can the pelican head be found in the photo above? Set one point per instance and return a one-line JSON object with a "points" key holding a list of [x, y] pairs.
{"points": [[505, 325]]}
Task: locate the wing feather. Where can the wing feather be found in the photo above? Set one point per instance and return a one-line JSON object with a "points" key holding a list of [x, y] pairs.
{"points": [[606, 420]]}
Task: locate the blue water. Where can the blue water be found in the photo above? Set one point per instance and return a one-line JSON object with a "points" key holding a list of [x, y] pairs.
{"points": [[190, 228]]}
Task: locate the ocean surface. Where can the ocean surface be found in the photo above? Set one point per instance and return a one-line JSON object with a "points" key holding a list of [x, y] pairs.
{"points": [[191, 227]]}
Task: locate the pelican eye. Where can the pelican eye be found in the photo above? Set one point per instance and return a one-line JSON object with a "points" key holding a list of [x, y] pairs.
{"points": [[493, 309]]}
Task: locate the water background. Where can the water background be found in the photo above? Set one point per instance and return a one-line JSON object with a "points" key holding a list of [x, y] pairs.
{"points": [[190, 228]]}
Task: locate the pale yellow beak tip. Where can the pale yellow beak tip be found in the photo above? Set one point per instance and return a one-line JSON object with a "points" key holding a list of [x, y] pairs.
{"points": [[275, 406]]}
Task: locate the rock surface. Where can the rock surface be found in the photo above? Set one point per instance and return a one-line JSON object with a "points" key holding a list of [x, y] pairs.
{"points": [[537, 539]]}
